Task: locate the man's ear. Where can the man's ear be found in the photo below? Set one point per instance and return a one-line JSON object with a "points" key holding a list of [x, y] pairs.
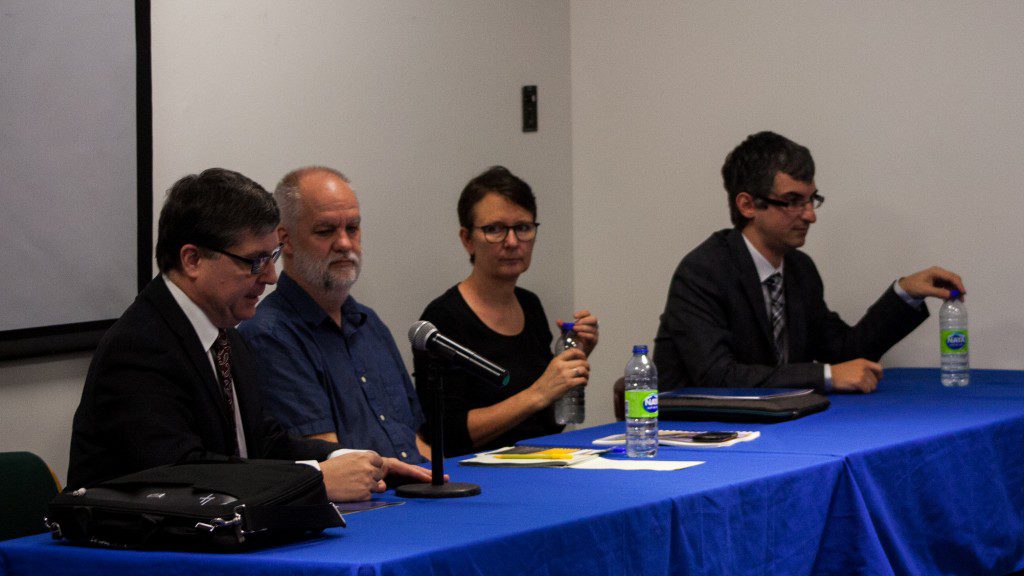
{"points": [[190, 256], [284, 237], [746, 204]]}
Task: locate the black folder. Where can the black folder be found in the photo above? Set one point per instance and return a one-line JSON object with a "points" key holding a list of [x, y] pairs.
{"points": [[739, 404]]}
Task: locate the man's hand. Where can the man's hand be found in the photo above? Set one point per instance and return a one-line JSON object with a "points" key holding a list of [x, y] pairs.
{"points": [[934, 281], [398, 472], [354, 476], [858, 375]]}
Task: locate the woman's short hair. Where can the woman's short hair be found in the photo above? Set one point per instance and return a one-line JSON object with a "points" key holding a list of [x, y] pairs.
{"points": [[497, 180]]}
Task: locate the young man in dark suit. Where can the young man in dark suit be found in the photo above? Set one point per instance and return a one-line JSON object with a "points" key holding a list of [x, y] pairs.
{"points": [[173, 381], [746, 308]]}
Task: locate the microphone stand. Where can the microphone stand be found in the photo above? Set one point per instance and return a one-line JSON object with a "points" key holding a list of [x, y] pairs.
{"points": [[437, 487]]}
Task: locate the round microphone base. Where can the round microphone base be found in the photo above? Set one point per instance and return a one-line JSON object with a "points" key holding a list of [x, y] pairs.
{"points": [[447, 490]]}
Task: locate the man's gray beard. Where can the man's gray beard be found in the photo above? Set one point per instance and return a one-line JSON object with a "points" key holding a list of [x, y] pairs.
{"points": [[316, 272]]}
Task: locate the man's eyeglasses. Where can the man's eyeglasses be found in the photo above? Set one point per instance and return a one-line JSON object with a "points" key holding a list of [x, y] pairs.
{"points": [[796, 204], [256, 265], [496, 233]]}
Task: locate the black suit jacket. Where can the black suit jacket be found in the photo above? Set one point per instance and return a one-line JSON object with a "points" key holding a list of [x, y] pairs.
{"points": [[715, 329], [151, 398]]}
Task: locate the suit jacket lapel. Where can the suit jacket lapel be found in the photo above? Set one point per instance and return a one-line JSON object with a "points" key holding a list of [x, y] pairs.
{"points": [[158, 294], [751, 285], [796, 313]]}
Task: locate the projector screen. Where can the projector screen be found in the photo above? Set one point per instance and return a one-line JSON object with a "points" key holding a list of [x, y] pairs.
{"points": [[75, 170]]}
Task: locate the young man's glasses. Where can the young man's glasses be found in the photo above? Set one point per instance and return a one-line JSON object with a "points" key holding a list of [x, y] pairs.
{"points": [[796, 204], [496, 233], [256, 265]]}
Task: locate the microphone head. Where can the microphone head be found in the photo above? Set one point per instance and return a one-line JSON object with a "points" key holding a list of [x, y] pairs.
{"points": [[419, 333]]}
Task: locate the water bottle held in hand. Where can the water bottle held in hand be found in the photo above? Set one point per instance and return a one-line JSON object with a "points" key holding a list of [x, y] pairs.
{"points": [[569, 409], [954, 341]]}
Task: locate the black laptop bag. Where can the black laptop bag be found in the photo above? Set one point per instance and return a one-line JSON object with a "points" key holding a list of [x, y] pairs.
{"points": [[223, 505]]}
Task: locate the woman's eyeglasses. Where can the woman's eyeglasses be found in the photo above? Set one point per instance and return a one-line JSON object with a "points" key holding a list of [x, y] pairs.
{"points": [[496, 233]]}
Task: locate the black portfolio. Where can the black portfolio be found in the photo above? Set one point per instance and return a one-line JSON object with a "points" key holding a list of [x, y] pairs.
{"points": [[739, 404]]}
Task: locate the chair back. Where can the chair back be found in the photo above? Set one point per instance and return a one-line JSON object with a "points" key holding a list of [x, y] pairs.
{"points": [[619, 398], [27, 485]]}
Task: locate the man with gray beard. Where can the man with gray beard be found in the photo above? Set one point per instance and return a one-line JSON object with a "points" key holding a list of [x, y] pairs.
{"points": [[335, 370]]}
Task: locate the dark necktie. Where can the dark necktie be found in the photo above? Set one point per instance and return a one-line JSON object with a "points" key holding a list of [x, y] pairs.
{"points": [[222, 357], [778, 313]]}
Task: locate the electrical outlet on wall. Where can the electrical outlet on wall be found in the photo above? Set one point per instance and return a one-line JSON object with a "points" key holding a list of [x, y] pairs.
{"points": [[529, 108]]}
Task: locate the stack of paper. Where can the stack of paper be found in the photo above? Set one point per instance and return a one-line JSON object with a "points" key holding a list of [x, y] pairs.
{"points": [[576, 458], [533, 456], [682, 438]]}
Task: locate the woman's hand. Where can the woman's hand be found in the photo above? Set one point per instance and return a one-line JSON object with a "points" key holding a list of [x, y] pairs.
{"points": [[586, 330], [568, 369]]}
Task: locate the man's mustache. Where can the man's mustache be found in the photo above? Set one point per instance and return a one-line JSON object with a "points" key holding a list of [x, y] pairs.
{"points": [[353, 258]]}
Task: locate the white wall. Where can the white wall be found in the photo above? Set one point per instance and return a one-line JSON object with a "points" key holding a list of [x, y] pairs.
{"points": [[39, 398], [410, 99], [914, 112]]}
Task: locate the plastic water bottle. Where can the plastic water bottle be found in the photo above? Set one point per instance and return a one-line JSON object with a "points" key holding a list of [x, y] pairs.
{"points": [[641, 405], [954, 345], [569, 409]]}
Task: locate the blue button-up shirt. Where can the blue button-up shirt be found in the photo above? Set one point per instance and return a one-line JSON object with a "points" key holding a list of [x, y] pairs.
{"points": [[321, 378]]}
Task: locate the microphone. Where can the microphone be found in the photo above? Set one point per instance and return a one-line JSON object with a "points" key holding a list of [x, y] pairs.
{"points": [[425, 337]]}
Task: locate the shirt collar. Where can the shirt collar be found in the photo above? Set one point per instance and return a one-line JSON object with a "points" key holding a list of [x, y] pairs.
{"points": [[764, 267], [310, 311], [204, 328], [353, 312]]}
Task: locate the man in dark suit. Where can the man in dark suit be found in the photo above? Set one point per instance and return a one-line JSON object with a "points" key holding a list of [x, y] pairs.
{"points": [[172, 380], [746, 308]]}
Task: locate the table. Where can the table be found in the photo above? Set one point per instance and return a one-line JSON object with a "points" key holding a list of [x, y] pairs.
{"points": [[932, 480], [914, 479]]}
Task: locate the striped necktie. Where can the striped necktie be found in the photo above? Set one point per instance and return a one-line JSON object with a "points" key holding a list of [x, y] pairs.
{"points": [[778, 313]]}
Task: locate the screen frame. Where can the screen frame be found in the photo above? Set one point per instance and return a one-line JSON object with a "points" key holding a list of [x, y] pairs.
{"points": [[81, 336]]}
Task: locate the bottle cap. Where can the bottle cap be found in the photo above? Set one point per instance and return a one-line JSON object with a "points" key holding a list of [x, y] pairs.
{"points": [[639, 349], [567, 326], [954, 294]]}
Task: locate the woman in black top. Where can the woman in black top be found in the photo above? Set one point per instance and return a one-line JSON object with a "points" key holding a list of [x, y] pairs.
{"points": [[503, 323]]}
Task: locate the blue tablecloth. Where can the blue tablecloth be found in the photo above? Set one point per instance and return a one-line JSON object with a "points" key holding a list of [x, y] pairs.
{"points": [[915, 479], [934, 475], [733, 515]]}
